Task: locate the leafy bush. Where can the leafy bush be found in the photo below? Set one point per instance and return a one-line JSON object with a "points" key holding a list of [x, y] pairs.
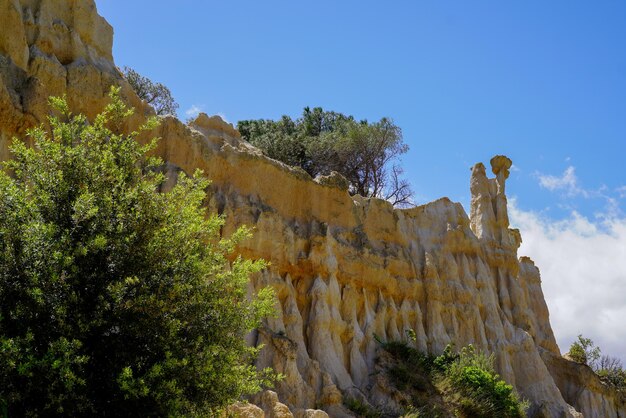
{"points": [[361, 409], [486, 394], [614, 377], [413, 369], [409, 356], [482, 392], [443, 361], [116, 300], [464, 381]]}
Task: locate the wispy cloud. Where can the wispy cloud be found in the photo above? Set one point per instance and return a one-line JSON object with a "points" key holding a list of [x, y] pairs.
{"points": [[567, 182], [193, 111], [583, 270]]}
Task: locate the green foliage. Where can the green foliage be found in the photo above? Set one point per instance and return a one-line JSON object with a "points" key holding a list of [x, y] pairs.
{"points": [[155, 94], [445, 359], [320, 142], [413, 372], [615, 377], [482, 393], [609, 369], [413, 369], [361, 409], [410, 334], [464, 381], [281, 140], [584, 351], [577, 353], [426, 411], [115, 299]]}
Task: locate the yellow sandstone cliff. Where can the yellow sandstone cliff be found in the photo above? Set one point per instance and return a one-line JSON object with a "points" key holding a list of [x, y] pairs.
{"points": [[344, 268]]}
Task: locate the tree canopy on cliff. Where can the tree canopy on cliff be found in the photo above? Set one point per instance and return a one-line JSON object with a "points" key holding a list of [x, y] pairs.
{"points": [[608, 368], [366, 154], [156, 95], [115, 299]]}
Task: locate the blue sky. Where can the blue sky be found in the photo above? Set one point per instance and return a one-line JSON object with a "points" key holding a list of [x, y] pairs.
{"points": [[541, 82]]}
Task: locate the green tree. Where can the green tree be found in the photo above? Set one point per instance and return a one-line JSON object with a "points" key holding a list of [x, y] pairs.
{"points": [[281, 140], [366, 154], [584, 351], [156, 95], [115, 299], [608, 368], [317, 121]]}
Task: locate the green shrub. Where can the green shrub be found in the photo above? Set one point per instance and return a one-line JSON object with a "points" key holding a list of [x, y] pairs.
{"points": [[361, 409], [482, 392], [464, 381], [443, 361], [116, 300], [614, 377], [487, 395], [426, 411], [409, 356]]}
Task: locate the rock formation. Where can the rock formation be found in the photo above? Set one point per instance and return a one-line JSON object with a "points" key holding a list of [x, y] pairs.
{"points": [[345, 269]]}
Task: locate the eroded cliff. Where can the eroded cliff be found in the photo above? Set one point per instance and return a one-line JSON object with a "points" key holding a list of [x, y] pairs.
{"points": [[345, 269]]}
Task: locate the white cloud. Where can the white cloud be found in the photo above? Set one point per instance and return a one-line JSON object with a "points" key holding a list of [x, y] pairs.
{"points": [[193, 111], [568, 184], [583, 270], [621, 191], [567, 181]]}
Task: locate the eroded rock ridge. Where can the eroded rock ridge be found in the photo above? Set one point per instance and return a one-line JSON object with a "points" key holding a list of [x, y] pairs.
{"points": [[345, 269]]}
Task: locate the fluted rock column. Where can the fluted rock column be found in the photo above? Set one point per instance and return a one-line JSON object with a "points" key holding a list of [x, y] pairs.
{"points": [[489, 217], [500, 166], [482, 216]]}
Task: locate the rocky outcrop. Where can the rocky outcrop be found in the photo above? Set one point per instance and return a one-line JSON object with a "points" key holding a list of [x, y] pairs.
{"points": [[347, 270], [50, 48], [582, 388]]}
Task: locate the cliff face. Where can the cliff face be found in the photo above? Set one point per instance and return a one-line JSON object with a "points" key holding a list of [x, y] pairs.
{"points": [[345, 269]]}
